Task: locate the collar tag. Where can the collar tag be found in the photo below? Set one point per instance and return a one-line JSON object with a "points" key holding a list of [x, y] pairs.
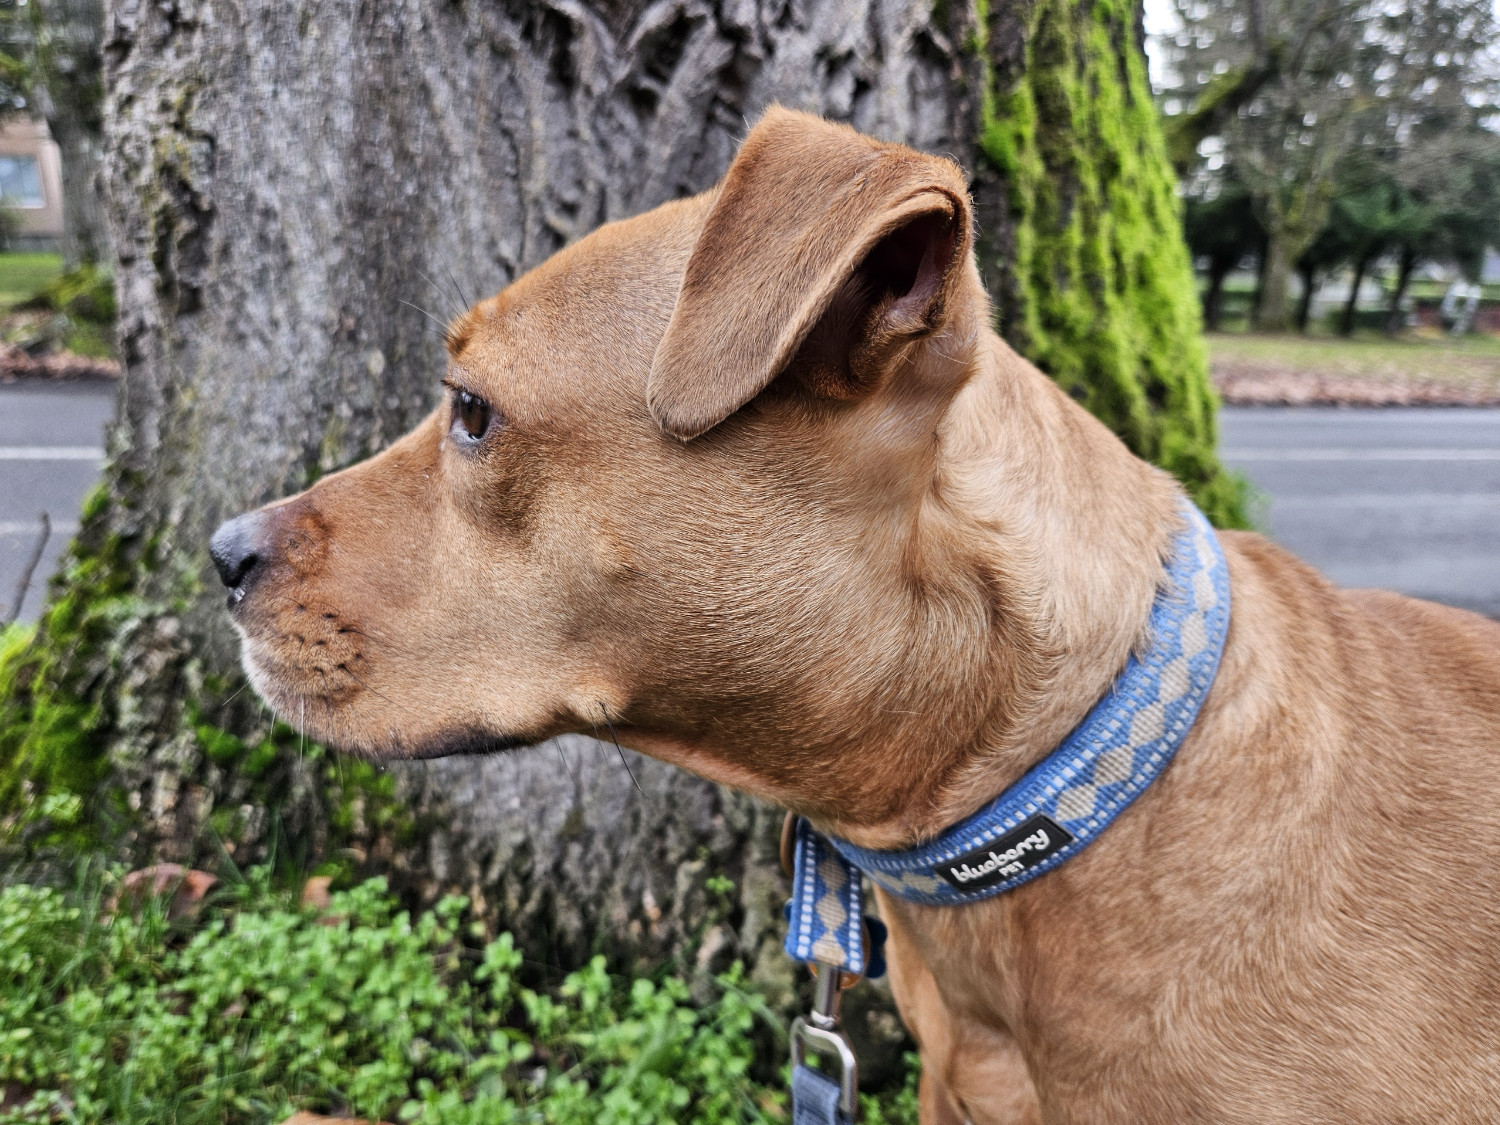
{"points": [[1018, 851]]}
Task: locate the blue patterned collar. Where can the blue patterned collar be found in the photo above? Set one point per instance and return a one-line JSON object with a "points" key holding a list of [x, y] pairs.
{"points": [[1062, 804]]}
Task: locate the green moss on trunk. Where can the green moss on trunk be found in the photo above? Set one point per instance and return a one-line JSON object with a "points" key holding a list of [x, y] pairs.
{"points": [[1095, 284]]}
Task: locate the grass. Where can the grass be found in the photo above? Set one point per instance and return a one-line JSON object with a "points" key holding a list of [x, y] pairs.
{"points": [[21, 275], [1372, 356], [1369, 369], [44, 309]]}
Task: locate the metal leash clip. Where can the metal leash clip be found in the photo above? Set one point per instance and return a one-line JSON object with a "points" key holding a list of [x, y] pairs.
{"points": [[819, 1032]]}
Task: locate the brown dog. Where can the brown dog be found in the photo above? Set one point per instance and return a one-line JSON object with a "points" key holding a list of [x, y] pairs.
{"points": [[751, 475]]}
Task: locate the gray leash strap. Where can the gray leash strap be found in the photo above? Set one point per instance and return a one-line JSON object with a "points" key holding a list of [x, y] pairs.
{"points": [[819, 1098]]}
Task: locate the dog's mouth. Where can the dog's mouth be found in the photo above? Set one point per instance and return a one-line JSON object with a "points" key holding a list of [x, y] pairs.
{"points": [[332, 707], [463, 743]]}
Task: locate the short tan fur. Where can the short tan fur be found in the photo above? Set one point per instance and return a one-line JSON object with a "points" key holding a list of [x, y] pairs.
{"points": [[763, 486]]}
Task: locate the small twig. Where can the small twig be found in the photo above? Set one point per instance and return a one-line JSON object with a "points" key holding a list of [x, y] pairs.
{"points": [[30, 569]]}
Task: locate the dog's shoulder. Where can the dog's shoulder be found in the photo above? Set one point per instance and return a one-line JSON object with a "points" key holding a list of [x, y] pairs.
{"points": [[1456, 653]]}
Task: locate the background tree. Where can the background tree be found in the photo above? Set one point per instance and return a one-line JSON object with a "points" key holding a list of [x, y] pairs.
{"points": [[1295, 91], [1221, 228], [1328, 251], [50, 64], [1445, 207], [290, 181], [1276, 80], [1368, 215]]}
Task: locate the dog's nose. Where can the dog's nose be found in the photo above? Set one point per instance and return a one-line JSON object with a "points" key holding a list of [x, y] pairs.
{"points": [[235, 550]]}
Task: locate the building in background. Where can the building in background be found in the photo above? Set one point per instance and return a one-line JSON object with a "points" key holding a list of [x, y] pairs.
{"points": [[30, 184]]}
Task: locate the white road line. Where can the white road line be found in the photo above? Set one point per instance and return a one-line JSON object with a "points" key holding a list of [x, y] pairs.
{"points": [[50, 453], [31, 527], [1373, 454], [1415, 501]]}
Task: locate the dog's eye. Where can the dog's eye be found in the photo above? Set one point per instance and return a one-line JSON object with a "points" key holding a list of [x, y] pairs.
{"points": [[472, 413]]}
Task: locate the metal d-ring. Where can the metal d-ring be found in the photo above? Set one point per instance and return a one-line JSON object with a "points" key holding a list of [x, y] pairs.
{"points": [[829, 1044], [819, 1030]]}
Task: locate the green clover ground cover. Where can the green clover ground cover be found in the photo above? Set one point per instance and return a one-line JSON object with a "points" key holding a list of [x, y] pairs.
{"points": [[258, 1007]]}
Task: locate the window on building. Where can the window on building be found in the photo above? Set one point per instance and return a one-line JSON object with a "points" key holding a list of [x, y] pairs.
{"points": [[21, 181]]}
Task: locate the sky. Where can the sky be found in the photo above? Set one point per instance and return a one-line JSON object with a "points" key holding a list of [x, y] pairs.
{"points": [[1161, 18]]}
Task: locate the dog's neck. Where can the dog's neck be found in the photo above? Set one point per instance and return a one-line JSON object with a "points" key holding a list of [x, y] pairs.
{"points": [[1035, 500]]}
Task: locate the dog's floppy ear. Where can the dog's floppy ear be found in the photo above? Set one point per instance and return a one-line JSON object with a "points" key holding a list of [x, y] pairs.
{"points": [[826, 251]]}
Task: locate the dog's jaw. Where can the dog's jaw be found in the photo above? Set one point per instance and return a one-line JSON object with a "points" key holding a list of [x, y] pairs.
{"points": [[330, 722]]}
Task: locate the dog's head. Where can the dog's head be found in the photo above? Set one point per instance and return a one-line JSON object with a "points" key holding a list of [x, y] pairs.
{"points": [[683, 483]]}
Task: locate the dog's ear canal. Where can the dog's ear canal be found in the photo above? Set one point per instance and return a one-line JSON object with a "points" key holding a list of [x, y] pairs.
{"points": [[823, 256]]}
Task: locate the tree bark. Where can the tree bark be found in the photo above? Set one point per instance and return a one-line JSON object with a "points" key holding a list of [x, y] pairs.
{"points": [[300, 190]]}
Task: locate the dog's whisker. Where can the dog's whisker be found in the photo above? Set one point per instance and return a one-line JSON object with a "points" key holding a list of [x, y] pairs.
{"points": [[366, 685], [440, 323], [564, 757], [462, 296], [618, 749], [233, 696], [440, 291]]}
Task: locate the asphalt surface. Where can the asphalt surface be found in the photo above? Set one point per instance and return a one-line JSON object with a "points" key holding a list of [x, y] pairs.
{"points": [[1407, 499], [1402, 498], [51, 449]]}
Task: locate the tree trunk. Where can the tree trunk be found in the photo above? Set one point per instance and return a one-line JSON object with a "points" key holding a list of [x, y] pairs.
{"points": [[1351, 305], [1257, 299], [1304, 300], [1276, 275], [1071, 168], [1213, 300], [299, 191], [1395, 320]]}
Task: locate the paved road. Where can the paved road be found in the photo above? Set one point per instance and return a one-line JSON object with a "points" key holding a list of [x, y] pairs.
{"points": [[50, 452], [1408, 499]]}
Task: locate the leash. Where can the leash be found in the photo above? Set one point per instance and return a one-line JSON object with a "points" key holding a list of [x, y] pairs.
{"points": [[1059, 807]]}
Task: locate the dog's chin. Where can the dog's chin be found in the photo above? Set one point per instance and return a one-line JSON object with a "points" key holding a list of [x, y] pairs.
{"points": [[328, 722], [448, 744]]}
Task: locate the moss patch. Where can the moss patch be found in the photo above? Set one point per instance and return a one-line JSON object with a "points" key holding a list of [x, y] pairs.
{"points": [[1100, 291], [49, 756]]}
